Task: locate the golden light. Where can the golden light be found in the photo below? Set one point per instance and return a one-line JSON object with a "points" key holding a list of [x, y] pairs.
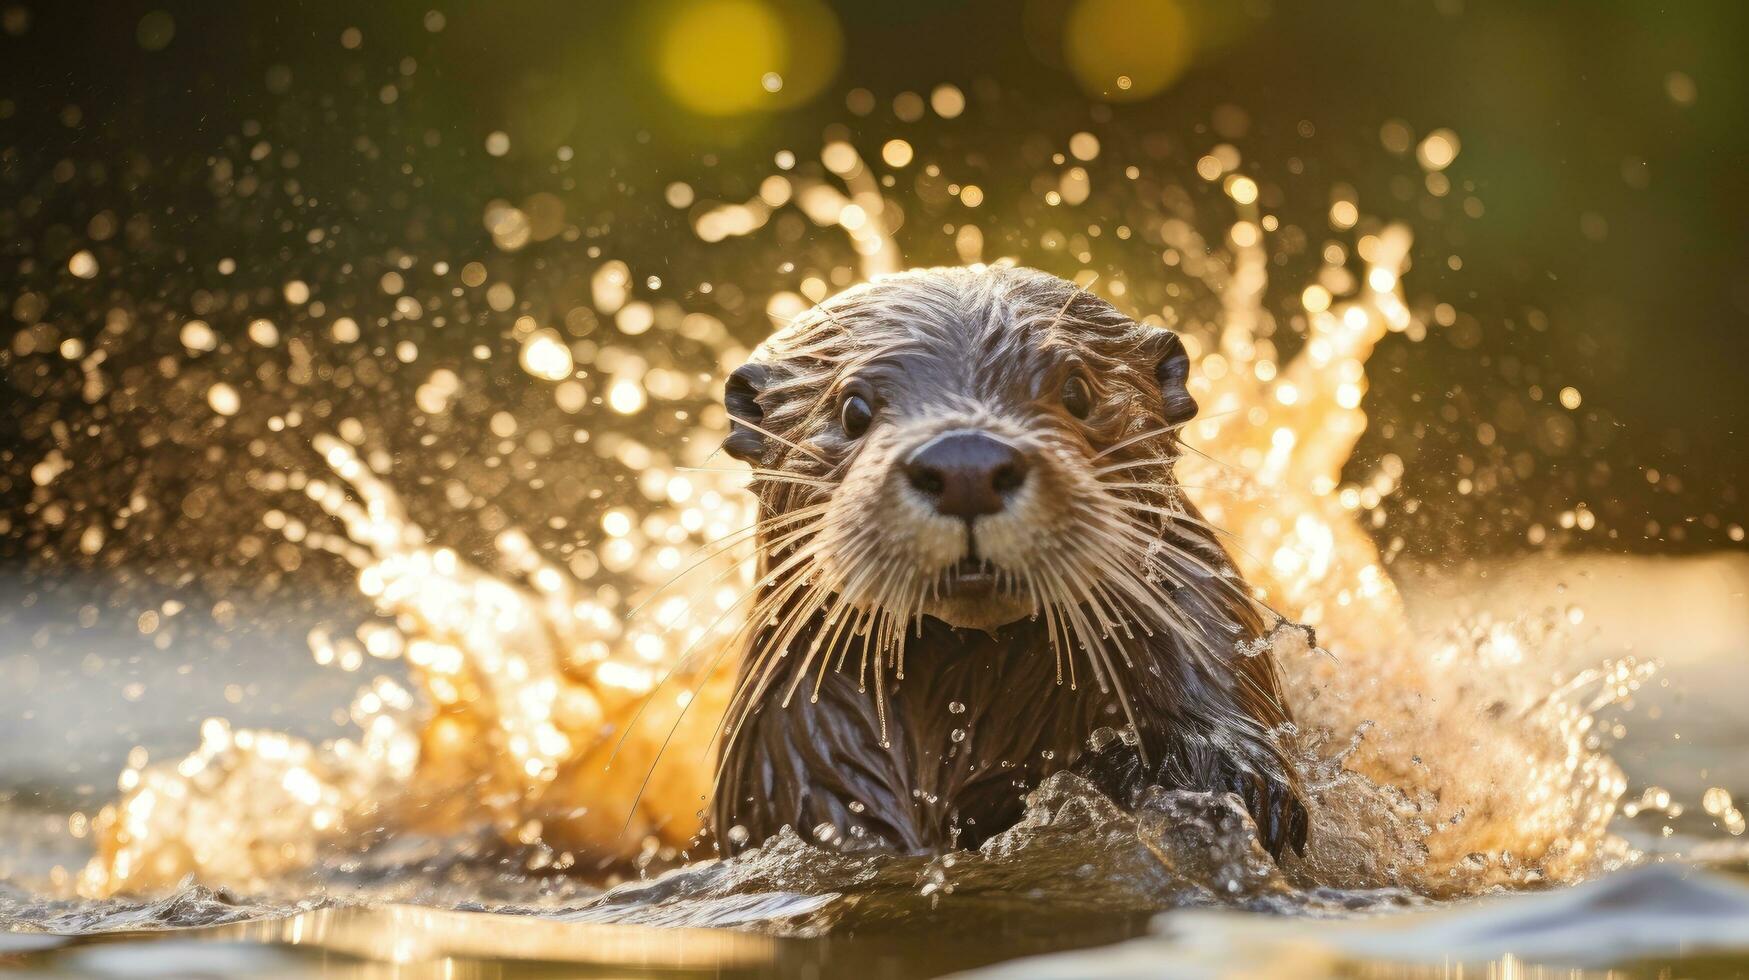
{"points": [[635, 318], [1681, 88], [625, 396], [196, 335], [540, 659], [896, 153], [545, 356], [1438, 150], [263, 332], [1126, 50], [223, 399], [83, 264], [1084, 146], [840, 157], [947, 101], [731, 57]]}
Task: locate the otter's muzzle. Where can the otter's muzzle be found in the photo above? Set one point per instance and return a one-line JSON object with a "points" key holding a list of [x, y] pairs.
{"points": [[966, 474]]}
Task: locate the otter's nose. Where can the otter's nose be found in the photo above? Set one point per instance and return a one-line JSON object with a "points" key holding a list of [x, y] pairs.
{"points": [[966, 474]]}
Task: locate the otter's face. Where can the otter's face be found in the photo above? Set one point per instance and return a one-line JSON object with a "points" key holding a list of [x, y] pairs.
{"points": [[959, 439]]}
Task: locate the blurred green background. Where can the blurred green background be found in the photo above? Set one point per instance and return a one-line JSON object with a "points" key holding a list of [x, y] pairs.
{"points": [[1604, 140]]}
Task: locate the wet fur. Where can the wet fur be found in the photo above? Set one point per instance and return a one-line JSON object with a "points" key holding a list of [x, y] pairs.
{"points": [[852, 738]]}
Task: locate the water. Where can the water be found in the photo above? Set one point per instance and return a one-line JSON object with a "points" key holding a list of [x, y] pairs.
{"points": [[346, 637]]}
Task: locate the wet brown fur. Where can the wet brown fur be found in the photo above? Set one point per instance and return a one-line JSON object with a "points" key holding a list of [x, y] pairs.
{"points": [[899, 730]]}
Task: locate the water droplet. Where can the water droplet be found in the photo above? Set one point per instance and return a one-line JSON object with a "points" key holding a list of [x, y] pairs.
{"points": [[738, 835], [197, 336], [224, 399], [956, 707], [83, 264], [546, 356]]}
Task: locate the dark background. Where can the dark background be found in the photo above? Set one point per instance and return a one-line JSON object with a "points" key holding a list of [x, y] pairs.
{"points": [[1613, 254]]}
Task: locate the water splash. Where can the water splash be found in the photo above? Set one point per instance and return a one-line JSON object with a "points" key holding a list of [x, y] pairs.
{"points": [[527, 676]]}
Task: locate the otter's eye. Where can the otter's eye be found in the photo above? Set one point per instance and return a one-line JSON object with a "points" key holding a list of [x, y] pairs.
{"points": [[855, 415], [1078, 396]]}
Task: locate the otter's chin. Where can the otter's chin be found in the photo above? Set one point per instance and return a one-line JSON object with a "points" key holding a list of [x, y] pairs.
{"points": [[985, 609]]}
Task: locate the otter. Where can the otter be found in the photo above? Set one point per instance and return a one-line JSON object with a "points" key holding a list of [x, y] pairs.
{"points": [[976, 570]]}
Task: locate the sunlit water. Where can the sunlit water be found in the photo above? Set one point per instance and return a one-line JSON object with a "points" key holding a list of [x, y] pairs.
{"points": [[545, 652]]}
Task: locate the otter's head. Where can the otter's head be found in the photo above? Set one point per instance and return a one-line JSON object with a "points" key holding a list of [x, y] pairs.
{"points": [[977, 445]]}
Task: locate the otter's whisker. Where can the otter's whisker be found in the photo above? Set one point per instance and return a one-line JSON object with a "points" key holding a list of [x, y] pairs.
{"points": [[1106, 633], [885, 597], [1138, 437], [880, 686], [685, 656], [793, 445], [860, 553], [1107, 625], [1181, 516], [1171, 489], [1134, 464], [793, 573], [759, 475], [1083, 630], [867, 638], [833, 620], [1114, 600], [1100, 659], [1116, 541], [1218, 462], [1129, 710], [844, 592], [773, 650], [1039, 607], [1152, 433], [1172, 615], [902, 620], [753, 618], [853, 621], [1053, 626], [1222, 574], [800, 514]]}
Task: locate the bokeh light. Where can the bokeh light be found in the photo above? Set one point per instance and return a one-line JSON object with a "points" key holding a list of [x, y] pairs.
{"points": [[732, 57], [1125, 50]]}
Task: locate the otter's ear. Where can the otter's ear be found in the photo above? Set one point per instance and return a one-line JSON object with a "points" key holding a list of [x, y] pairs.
{"points": [[741, 398], [1172, 370]]}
